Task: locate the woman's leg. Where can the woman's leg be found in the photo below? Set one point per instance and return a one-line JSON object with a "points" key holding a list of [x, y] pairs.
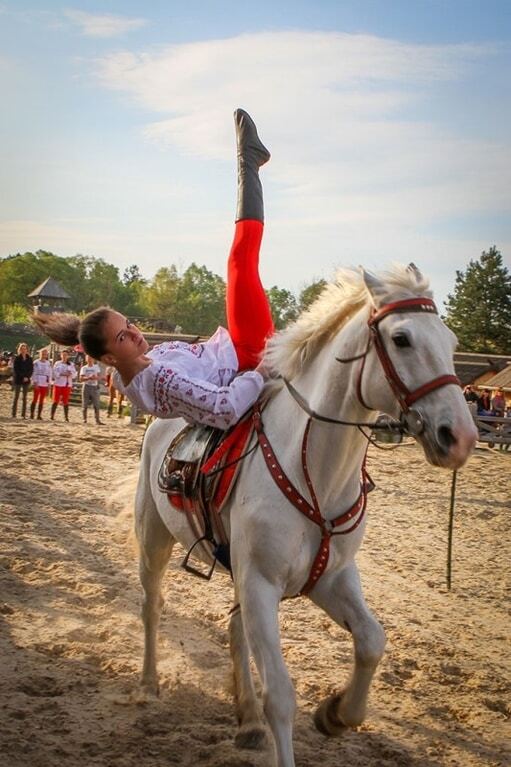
{"points": [[16, 395], [248, 311], [43, 391], [66, 396], [24, 400]]}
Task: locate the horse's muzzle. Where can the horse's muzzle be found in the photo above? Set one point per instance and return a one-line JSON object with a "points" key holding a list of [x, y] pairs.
{"points": [[447, 446]]}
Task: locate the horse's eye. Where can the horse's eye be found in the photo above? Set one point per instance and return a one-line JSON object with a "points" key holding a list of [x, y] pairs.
{"points": [[401, 340]]}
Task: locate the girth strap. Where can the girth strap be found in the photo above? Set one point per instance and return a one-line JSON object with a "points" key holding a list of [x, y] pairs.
{"points": [[311, 511]]}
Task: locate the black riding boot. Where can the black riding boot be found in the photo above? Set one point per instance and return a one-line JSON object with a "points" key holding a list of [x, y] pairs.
{"points": [[53, 410], [85, 415], [32, 409], [39, 411], [66, 412], [98, 420], [251, 155]]}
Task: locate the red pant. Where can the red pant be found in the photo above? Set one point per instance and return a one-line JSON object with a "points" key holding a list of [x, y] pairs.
{"points": [[61, 393], [249, 318], [40, 393]]}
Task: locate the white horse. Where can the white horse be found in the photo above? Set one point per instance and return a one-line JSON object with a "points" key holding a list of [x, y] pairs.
{"points": [[368, 344]]}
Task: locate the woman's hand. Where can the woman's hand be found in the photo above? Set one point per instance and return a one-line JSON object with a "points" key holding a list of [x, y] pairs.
{"points": [[263, 370]]}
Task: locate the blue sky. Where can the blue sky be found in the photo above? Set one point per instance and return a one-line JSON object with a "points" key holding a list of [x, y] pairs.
{"points": [[388, 122]]}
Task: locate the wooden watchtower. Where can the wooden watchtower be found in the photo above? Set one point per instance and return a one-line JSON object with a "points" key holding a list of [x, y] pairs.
{"points": [[49, 296]]}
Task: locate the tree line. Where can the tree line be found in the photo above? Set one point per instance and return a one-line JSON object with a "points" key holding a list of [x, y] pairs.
{"points": [[478, 310]]}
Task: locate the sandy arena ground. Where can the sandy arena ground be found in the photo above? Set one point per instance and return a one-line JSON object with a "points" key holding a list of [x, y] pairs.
{"points": [[71, 638]]}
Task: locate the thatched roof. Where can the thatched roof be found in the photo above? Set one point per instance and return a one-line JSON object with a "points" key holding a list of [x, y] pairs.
{"points": [[500, 381], [50, 288], [470, 366]]}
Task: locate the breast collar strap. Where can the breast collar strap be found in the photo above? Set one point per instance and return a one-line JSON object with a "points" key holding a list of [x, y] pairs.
{"points": [[354, 514], [405, 397]]}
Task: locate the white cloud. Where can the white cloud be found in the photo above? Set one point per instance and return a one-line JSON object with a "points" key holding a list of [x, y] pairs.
{"points": [[341, 113], [103, 25]]}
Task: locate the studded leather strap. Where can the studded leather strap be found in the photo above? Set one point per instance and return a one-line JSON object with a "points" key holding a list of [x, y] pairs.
{"points": [[311, 511]]}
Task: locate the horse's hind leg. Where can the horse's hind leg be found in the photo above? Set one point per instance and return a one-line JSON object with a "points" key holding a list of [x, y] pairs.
{"points": [[251, 733], [156, 545], [340, 595]]}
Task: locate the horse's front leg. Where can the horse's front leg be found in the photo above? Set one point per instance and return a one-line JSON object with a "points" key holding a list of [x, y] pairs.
{"points": [[259, 605], [340, 595], [251, 733]]}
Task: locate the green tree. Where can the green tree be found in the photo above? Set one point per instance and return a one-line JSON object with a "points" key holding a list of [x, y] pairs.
{"points": [[309, 294], [479, 309], [15, 314], [132, 295], [159, 296], [200, 305], [21, 273], [283, 304], [99, 282]]}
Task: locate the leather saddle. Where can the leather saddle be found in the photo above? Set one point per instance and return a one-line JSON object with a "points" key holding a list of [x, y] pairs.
{"points": [[197, 476], [180, 471]]}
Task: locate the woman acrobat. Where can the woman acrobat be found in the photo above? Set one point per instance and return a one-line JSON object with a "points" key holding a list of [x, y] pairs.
{"points": [[196, 382]]}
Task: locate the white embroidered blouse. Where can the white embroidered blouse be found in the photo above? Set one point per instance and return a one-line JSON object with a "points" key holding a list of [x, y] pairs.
{"points": [[195, 382], [42, 373], [64, 373]]}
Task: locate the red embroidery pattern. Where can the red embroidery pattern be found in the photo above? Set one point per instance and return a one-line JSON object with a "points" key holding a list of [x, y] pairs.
{"points": [[172, 394]]}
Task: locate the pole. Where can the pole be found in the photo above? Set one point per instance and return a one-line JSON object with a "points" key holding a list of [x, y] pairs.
{"points": [[451, 526]]}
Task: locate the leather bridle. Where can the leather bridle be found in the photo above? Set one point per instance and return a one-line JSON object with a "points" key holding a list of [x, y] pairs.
{"points": [[404, 396]]}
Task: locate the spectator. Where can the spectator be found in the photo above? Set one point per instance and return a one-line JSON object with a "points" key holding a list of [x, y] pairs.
{"points": [[22, 368], [41, 379], [498, 404], [64, 373], [485, 403], [113, 394], [469, 394], [90, 376]]}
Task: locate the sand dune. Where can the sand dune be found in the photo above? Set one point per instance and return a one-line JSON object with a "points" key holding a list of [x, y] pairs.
{"points": [[71, 638]]}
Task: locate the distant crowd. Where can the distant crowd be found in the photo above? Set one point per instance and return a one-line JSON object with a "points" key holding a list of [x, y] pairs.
{"points": [[33, 380], [487, 403]]}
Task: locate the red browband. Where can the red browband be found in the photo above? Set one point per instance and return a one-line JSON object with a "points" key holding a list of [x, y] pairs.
{"points": [[403, 394]]}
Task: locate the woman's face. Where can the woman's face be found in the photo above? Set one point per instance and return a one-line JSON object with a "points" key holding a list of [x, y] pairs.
{"points": [[23, 349], [123, 341]]}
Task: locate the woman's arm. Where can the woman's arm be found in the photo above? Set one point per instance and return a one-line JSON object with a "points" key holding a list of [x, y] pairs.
{"points": [[164, 393]]}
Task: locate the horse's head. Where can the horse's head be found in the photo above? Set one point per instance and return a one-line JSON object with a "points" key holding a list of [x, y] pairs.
{"points": [[410, 365]]}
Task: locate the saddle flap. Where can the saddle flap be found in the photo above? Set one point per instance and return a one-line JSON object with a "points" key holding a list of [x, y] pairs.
{"points": [[179, 472], [189, 445]]}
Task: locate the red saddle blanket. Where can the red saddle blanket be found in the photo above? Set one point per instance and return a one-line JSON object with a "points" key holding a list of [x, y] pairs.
{"points": [[224, 464]]}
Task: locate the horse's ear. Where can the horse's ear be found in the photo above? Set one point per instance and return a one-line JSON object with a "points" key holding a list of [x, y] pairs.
{"points": [[417, 272], [375, 287]]}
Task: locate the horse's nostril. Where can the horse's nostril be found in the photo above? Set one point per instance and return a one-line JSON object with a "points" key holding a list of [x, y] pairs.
{"points": [[446, 438]]}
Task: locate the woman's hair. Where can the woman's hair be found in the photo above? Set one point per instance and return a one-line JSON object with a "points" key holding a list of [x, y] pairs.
{"points": [[70, 330], [18, 348]]}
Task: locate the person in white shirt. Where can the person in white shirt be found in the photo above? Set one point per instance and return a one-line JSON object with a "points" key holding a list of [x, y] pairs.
{"points": [[198, 382], [41, 379], [63, 374], [90, 376]]}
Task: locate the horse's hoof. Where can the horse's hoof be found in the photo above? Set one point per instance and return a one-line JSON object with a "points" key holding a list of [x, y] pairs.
{"points": [[326, 719], [252, 737]]}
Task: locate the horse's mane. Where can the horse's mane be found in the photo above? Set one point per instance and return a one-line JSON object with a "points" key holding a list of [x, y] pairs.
{"points": [[287, 351]]}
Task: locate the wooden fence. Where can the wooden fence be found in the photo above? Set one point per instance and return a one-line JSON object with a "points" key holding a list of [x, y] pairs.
{"points": [[493, 430]]}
